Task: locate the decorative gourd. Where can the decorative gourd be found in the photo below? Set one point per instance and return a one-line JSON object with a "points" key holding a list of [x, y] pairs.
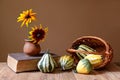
{"points": [[84, 66], [95, 60], [47, 63], [85, 49], [66, 62]]}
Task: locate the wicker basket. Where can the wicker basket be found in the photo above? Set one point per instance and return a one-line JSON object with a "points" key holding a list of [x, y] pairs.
{"points": [[100, 45]]}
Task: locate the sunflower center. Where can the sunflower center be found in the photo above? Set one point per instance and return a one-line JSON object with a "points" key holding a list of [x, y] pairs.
{"points": [[28, 16], [38, 35]]}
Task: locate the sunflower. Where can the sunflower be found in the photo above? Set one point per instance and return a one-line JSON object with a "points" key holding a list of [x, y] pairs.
{"points": [[26, 17], [37, 34]]}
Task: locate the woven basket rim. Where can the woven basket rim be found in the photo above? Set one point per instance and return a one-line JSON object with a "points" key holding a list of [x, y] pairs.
{"points": [[97, 38]]}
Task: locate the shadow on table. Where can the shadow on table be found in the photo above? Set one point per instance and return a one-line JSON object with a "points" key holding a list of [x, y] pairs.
{"points": [[112, 67]]}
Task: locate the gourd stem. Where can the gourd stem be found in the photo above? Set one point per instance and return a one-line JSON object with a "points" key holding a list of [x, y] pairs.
{"points": [[47, 51]]}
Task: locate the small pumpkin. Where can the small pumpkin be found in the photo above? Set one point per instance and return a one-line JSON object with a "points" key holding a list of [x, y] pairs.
{"points": [[47, 63], [66, 62], [84, 66]]}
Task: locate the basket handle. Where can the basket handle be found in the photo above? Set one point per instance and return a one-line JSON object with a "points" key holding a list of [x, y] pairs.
{"points": [[79, 51]]}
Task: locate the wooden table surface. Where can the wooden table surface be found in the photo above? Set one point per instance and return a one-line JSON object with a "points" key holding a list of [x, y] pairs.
{"points": [[111, 72]]}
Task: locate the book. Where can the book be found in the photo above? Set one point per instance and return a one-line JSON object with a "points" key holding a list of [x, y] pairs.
{"points": [[20, 62]]}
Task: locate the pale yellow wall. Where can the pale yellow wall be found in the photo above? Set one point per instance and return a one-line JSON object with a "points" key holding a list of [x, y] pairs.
{"points": [[66, 19]]}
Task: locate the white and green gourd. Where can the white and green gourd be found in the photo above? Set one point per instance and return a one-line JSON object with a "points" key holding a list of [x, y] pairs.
{"points": [[86, 48], [66, 62], [95, 60], [84, 66], [47, 63]]}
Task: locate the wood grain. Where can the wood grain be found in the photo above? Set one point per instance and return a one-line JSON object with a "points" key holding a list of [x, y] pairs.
{"points": [[111, 72]]}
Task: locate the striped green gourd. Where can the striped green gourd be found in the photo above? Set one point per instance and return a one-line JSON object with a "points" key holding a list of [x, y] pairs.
{"points": [[66, 62], [47, 63], [86, 48], [95, 60]]}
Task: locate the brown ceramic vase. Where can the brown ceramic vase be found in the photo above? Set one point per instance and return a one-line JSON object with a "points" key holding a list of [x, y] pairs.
{"points": [[31, 49]]}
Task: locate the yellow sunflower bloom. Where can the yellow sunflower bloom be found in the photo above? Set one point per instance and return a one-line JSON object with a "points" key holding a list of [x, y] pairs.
{"points": [[26, 17], [37, 34]]}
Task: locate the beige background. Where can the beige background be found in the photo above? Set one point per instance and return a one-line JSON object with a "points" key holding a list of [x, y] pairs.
{"points": [[66, 19]]}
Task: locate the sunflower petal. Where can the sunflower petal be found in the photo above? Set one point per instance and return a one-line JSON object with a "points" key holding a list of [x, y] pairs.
{"points": [[33, 18], [46, 29], [23, 22], [40, 26], [33, 13], [33, 28], [27, 21], [30, 32]]}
